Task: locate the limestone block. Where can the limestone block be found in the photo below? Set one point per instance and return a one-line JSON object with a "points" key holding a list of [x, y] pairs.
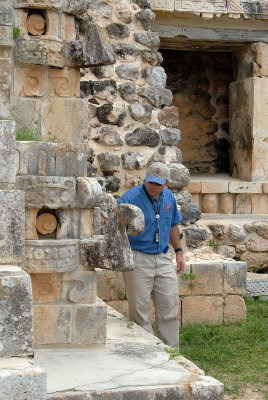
{"points": [[262, 228], [210, 203], [170, 136], [110, 285], [196, 200], [52, 324], [69, 224], [6, 36], [148, 39], [234, 309], [265, 187], [109, 136], [235, 275], [214, 187], [6, 14], [79, 287], [105, 90], [30, 220], [46, 287], [257, 244], [236, 233], [90, 324], [129, 91], [5, 84], [252, 60], [208, 279], [72, 126], [113, 114], [245, 187], [259, 203], [89, 192], [48, 256], [132, 180], [243, 204], [51, 192], [27, 114], [22, 382], [117, 31], [202, 310], [226, 203], [146, 17], [155, 76], [86, 224], [8, 156], [194, 187], [157, 96], [72, 159], [30, 81], [16, 313], [64, 82], [68, 31], [226, 251], [185, 283], [144, 136], [45, 3], [132, 160], [179, 176], [253, 259], [46, 50], [126, 52], [12, 226], [128, 71], [141, 112]]}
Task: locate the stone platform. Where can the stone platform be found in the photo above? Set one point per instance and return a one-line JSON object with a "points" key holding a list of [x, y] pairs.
{"points": [[132, 365]]}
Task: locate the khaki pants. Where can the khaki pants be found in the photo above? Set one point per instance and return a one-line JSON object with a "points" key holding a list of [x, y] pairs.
{"points": [[154, 276]]}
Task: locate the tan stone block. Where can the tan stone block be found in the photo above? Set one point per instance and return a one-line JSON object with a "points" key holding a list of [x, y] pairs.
{"points": [[132, 180], [255, 260], [258, 244], [86, 227], [53, 23], [235, 276], [196, 199], [245, 187], [4, 53], [119, 305], [5, 84], [90, 324], [234, 309], [46, 287], [265, 187], [30, 81], [184, 282], [52, 324], [194, 187], [210, 203], [64, 82], [208, 279], [202, 310], [110, 285], [214, 187], [226, 203], [79, 287], [30, 219], [243, 204], [259, 203], [20, 18], [68, 31]]}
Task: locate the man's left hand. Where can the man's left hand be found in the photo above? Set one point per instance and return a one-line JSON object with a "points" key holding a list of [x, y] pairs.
{"points": [[180, 263]]}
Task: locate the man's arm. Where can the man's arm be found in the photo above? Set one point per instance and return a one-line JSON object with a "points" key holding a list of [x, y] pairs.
{"points": [[176, 244]]}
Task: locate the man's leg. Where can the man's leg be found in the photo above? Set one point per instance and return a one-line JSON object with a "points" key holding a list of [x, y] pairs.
{"points": [[165, 297], [139, 285]]}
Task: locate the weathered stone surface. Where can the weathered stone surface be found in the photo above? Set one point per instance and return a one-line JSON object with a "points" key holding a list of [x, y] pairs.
{"points": [[105, 71], [257, 244], [126, 52], [16, 313], [144, 136], [179, 176], [235, 276], [117, 31], [89, 192], [97, 8], [226, 203], [234, 309], [217, 230], [252, 60], [112, 183], [143, 3], [169, 155], [109, 136], [132, 180], [227, 251], [155, 76], [110, 285], [129, 91], [169, 116], [170, 136], [12, 226], [112, 114], [151, 57], [46, 287], [64, 82], [146, 17], [128, 71], [182, 197], [148, 39], [109, 162], [85, 88], [236, 233], [132, 160], [27, 114], [7, 146], [202, 310], [243, 204], [5, 86], [22, 382], [141, 112], [196, 236], [157, 96], [90, 324], [48, 256], [44, 51], [61, 193], [262, 228], [254, 260], [79, 287], [208, 279], [76, 7], [105, 90], [190, 213], [210, 203]]}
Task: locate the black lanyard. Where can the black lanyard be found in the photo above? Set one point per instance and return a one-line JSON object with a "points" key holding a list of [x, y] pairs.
{"points": [[157, 213]]}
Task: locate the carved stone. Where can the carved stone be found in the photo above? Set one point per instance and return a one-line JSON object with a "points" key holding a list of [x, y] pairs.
{"points": [[36, 24], [46, 287], [64, 82], [30, 81], [79, 287], [89, 192], [46, 223], [48, 256]]}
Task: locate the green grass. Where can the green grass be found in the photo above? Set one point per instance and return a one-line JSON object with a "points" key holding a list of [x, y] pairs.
{"points": [[24, 134], [236, 355]]}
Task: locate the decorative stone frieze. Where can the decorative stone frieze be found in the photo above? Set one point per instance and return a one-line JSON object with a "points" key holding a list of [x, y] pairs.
{"points": [[89, 192], [132, 160], [5, 86], [144, 136], [79, 287], [46, 287]]}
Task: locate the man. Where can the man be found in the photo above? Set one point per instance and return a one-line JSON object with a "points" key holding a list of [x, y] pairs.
{"points": [[155, 274]]}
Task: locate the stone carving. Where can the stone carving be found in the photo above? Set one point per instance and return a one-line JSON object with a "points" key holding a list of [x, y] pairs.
{"points": [[64, 82], [36, 24], [30, 81], [46, 256], [112, 251], [89, 193], [79, 286], [46, 287], [46, 223]]}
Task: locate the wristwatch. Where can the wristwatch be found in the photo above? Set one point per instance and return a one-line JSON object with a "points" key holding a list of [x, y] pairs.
{"points": [[178, 250]]}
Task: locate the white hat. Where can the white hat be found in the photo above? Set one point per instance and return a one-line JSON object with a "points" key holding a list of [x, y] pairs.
{"points": [[158, 173]]}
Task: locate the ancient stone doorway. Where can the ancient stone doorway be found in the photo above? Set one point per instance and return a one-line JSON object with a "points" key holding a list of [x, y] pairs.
{"points": [[200, 85]]}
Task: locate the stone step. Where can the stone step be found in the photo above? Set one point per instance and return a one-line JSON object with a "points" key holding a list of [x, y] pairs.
{"points": [[132, 365]]}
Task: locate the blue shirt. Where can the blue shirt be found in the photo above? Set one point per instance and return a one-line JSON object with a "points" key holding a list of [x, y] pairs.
{"points": [[169, 216]]}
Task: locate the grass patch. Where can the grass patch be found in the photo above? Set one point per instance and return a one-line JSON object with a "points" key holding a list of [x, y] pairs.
{"points": [[24, 134], [236, 355]]}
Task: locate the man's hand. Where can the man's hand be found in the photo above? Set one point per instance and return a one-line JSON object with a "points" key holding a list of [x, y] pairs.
{"points": [[180, 263]]}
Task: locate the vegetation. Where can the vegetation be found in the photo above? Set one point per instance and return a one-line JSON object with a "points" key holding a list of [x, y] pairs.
{"points": [[191, 276], [16, 32], [213, 244], [25, 134], [236, 355]]}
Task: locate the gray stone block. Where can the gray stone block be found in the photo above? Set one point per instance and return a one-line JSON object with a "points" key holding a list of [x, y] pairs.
{"points": [[117, 31], [16, 339], [8, 157], [109, 162], [157, 96], [155, 76], [126, 52], [113, 114], [89, 193], [148, 39], [144, 136], [146, 17], [128, 71], [235, 277], [12, 226]]}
